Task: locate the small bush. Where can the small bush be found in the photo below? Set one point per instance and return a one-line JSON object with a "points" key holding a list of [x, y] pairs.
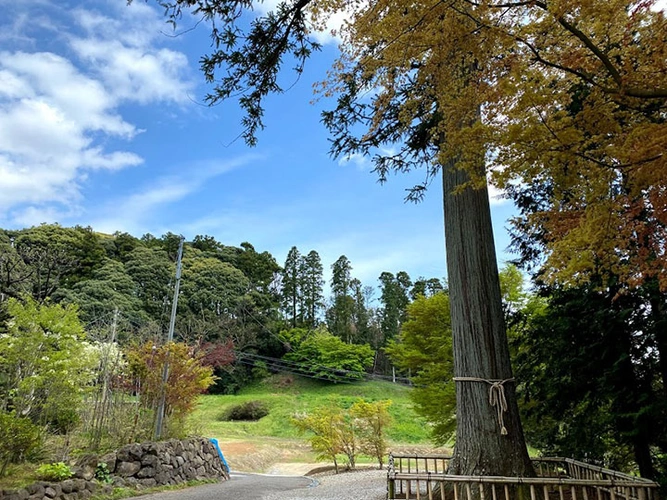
{"points": [[57, 471], [18, 437], [250, 410], [283, 381], [102, 473]]}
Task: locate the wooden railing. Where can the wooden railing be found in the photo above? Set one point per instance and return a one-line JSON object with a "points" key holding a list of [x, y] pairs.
{"points": [[425, 477]]}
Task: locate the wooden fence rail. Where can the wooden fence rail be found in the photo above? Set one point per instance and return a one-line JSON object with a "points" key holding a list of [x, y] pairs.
{"points": [[425, 477]]}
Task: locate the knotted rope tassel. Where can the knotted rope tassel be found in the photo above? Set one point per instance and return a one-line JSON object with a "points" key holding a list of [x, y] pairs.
{"points": [[496, 396]]}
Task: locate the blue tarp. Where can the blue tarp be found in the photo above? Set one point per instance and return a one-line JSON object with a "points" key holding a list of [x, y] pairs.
{"points": [[222, 457]]}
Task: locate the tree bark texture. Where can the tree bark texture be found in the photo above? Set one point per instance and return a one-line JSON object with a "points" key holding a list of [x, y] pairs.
{"points": [[479, 337]]}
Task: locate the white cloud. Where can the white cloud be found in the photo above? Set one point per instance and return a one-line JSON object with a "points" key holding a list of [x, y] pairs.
{"points": [[58, 120], [357, 159], [134, 213], [131, 74], [122, 50], [48, 113], [54, 81]]}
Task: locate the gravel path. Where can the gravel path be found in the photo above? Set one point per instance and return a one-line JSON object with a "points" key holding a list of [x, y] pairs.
{"points": [[360, 485], [239, 487]]}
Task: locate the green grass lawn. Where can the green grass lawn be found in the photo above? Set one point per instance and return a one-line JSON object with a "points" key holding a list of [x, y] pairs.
{"points": [[287, 396]]}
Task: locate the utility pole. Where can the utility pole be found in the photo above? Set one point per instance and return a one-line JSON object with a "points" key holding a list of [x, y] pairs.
{"points": [[170, 337], [101, 407]]}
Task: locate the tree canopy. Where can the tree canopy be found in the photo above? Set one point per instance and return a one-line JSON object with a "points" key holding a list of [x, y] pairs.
{"points": [[571, 96]]}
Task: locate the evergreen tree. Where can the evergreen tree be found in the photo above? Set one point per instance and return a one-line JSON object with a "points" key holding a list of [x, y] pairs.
{"points": [[312, 288], [261, 269], [360, 314], [426, 287], [340, 314], [205, 243], [590, 377], [292, 286], [341, 276], [120, 245], [109, 288], [394, 298]]}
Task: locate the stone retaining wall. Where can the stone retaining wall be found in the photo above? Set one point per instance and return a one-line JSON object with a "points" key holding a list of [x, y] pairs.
{"points": [[136, 465]]}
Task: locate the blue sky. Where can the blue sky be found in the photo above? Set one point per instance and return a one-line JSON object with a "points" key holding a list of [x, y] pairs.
{"points": [[102, 123]]}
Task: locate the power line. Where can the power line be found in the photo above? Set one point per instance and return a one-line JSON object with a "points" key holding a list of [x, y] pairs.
{"points": [[306, 369], [300, 374]]}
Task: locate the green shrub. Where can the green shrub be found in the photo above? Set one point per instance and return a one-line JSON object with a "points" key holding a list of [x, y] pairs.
{"points": [[250, 410], [57, 471], [18, 438], [102, 473], [328, 357]]}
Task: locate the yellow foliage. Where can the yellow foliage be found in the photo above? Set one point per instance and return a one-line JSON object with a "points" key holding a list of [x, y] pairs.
{"points": [[569, 94]]}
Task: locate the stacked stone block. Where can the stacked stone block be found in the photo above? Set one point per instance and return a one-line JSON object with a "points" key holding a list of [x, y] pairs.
{"points": [[136, 466]]}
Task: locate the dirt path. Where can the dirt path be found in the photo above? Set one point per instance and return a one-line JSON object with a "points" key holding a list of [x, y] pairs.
{"points": [[286, 457], [271, 456]]}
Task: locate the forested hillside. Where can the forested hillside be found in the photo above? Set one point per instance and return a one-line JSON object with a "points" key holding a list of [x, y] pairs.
{"points": [[237, 302]]}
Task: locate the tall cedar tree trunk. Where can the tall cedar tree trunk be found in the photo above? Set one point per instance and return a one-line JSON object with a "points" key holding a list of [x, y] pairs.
{"points": [[479, 337], [659, 315], [630, 389]]}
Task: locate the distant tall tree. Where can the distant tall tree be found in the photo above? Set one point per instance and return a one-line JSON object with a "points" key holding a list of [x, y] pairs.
{"points": [[170, 243], [426, 287], [394, 298], [339, 315], [312, 288], [205, 243], [404, 284], [90, 253], [341, 276], [360, 314], [260, 268], [149, 240], [210, 288], [292, 285]]}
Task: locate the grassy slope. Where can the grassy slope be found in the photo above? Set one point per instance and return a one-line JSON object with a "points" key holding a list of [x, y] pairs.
{"points": [[301, 395]]}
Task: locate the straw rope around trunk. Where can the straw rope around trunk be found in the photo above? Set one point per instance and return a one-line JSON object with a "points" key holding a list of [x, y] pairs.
{"points": [[496, 396]]}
